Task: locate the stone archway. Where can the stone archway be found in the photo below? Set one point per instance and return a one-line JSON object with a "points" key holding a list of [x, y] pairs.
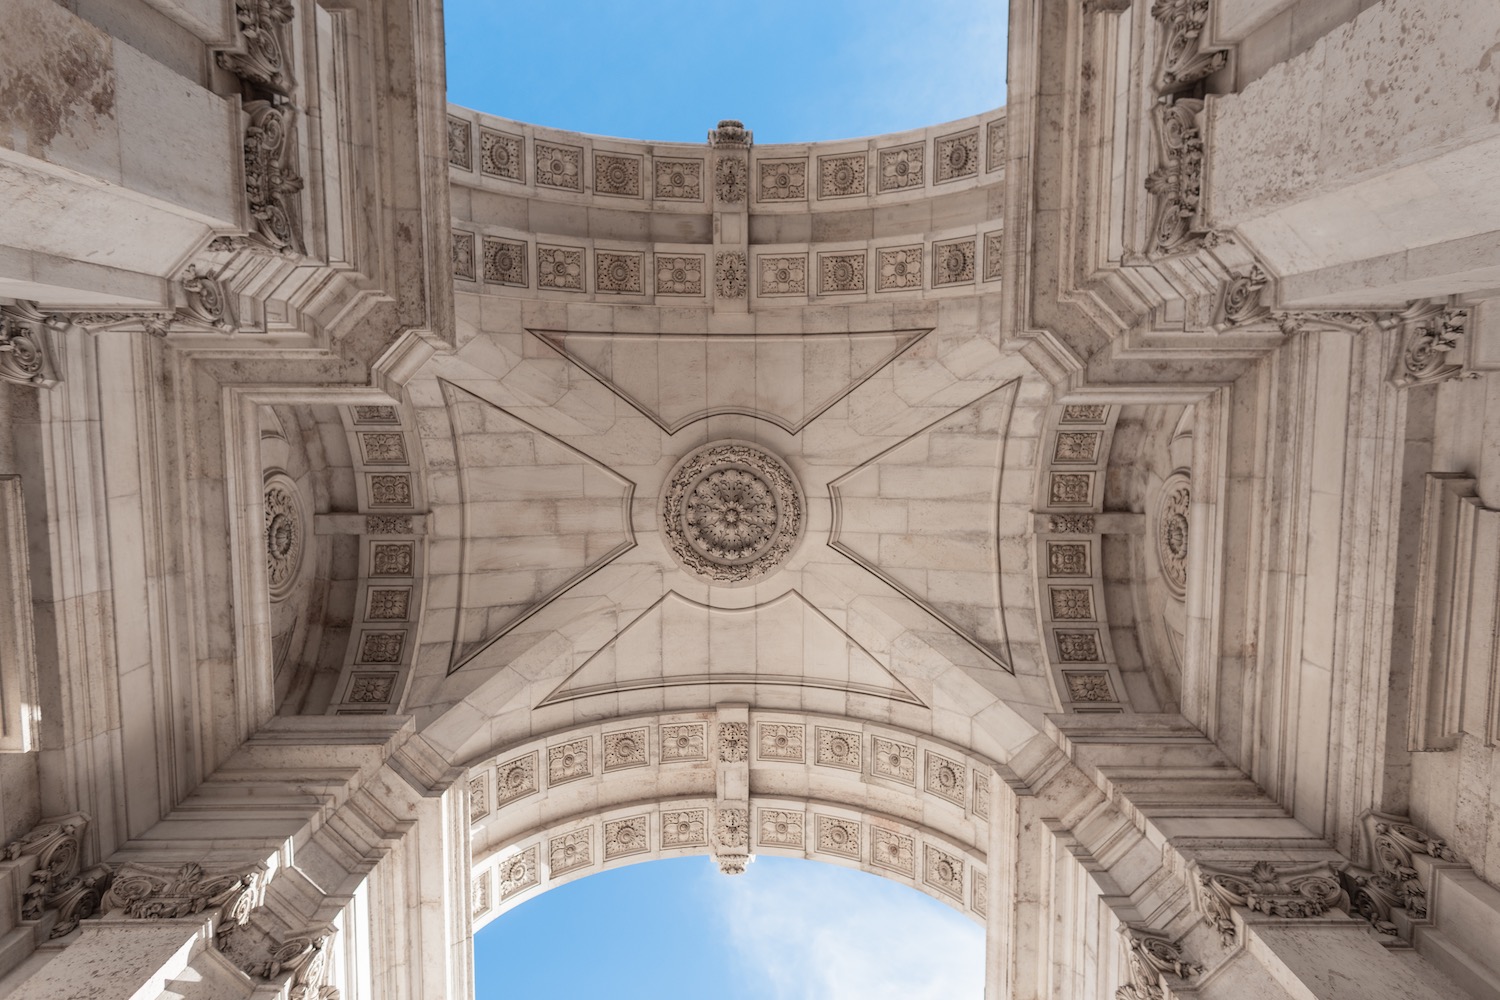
{"points": [[731, 783]]}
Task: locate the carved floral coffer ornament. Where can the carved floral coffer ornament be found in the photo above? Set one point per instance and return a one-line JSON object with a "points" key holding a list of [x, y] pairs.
{"points": [[283, 534], [731, 512], [1172, 531]]}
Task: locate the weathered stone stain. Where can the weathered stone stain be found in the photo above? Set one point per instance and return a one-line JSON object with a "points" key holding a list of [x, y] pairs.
{"points": [[56, 73]]}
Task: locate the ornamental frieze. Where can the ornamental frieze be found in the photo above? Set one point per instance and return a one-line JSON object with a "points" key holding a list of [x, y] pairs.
{"points": [[272, 184], [154, 893], [1276, 890], [1176, 181]]}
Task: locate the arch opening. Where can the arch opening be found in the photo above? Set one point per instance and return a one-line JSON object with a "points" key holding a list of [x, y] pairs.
{"points": [[787, 927], [660, 72]]}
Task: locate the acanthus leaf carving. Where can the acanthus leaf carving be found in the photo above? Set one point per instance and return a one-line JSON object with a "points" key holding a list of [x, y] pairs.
{"points": [[58, 883], [731, 179], [154, 893], [1240, 301], [734, 742], [1183, 59], [252, 244], [1176, 182], [1150, 959], [272, 183], [730, 274], [263, 60], [24, 355], [1434, 345], [1300, 321], [1393, 881], [1293, 891], [208, 299], [730, 133], [154, 322], [732, 839]]}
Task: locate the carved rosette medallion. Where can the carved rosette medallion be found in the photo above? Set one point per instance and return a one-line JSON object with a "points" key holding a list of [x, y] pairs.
{"points": [[732, 512], [1172, 531], [283, 534]]}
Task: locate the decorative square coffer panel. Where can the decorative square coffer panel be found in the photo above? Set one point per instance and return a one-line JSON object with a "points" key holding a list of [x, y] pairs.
{"points": [[500, 155]]}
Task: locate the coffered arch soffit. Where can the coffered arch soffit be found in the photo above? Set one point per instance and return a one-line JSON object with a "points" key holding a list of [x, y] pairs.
{"points": [[731, 785]]}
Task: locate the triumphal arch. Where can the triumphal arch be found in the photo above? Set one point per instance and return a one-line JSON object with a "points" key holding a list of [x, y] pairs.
{"points": [[1084, 512]]}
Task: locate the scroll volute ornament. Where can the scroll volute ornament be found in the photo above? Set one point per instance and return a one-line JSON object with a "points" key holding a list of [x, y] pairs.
{"points": [[1182, 58], [1152, 960], [1434, 345], [152, 893], [1176, 182], [263, 59], [272, 184], [1393, 881], [58, 883], [1285, 890], [24, 357], [300, 962]]}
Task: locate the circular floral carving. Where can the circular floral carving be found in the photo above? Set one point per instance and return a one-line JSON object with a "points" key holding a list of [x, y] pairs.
{"points": [[732, 512], [1172, 531], [283, 534]]}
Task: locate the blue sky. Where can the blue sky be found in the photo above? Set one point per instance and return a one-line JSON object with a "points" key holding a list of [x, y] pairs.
{"points": [[785, 930], [792, 70]]}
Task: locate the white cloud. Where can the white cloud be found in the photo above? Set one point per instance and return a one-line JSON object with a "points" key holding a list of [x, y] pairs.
{"points": [[816, 931]]}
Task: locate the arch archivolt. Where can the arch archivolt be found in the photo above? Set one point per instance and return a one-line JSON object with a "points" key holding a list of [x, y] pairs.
{"points": [[731, 783]]}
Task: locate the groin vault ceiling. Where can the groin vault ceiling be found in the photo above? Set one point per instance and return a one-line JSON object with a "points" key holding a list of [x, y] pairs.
{"points": [[750, 440], [731, 423]]}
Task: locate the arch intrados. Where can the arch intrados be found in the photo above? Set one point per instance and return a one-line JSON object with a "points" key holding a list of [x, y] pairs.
{"points": [[929, 850], [551, 809]]}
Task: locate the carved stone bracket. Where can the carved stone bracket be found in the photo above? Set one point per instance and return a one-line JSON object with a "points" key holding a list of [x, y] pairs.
{"points": [[1295, 891], [1176, 182], [1241, 299], [1434, 345], [1182, 57], [732, 839], [58, 883], [1152, 961], [24, 357], [272, 184], [271, 179], [1393, 881], [300, 961], [261, 58], [153, 893]]}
